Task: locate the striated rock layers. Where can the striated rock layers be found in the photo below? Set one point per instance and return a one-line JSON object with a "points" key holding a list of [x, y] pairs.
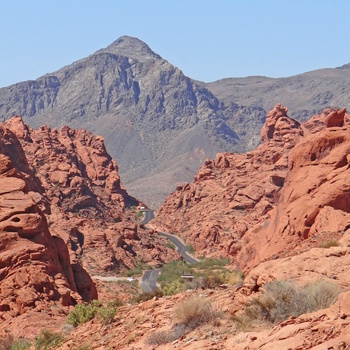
{"points": [[286, 196]]}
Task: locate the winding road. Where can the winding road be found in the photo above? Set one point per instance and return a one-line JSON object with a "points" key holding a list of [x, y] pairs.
{"points": [[180, 247], [149, 278], [148, 281]]}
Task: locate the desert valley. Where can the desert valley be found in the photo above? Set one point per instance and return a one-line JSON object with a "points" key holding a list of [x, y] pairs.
{"points": [[103, 158]]}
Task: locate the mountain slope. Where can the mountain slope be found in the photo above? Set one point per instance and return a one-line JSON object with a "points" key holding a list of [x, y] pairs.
{"points": [[157, 123], [305, 94]]}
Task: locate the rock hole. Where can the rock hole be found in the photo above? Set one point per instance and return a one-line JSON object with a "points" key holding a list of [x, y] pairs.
{"points": [[15, 219], [313, 157]]}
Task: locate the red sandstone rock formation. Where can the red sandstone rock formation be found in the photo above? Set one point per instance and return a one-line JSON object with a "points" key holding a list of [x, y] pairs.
{"points": [[35, 270], [274, 201], [85, 202], [59, 190]]}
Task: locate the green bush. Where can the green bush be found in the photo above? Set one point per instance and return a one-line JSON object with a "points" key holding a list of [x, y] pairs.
{"points": [[172, 272], [48, 340], [283, 299], [210, 263], [207, 273], [190, 248], [106, 314], [173, 288], [83, 313]]}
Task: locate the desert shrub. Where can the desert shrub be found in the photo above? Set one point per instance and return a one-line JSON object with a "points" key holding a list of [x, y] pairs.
{"points": [[48, 340], [244, 322], [83, 313], [283, 299], [135, 271], [208, 273], [211, 263], [161, 337], [10, 343], [106, 314], [233, 278], [84, 347], [172, 271], [21, 344], [194, 312], [329, 243], [116, 302], [319, 295], [210, 281], [173, 288], [147, 296], [190, 248]]}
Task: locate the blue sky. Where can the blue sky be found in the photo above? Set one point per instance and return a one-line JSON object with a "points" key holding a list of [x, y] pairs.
{"points": [[207, 40]]}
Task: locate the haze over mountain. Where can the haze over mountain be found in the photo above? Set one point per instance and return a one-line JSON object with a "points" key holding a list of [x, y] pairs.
{"points": [[158, 124]]}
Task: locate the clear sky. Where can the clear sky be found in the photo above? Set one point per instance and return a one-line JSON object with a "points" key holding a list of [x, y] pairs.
{"points": [[207, 40]]}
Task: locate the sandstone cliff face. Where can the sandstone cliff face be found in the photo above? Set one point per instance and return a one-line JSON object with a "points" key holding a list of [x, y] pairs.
{"points": [[64, 217], [269, 202], [84, 201], [35, 270]]}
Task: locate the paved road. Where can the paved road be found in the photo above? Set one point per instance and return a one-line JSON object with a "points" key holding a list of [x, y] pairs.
{"points": [[147, 216], [181, 248], [149, 280]]}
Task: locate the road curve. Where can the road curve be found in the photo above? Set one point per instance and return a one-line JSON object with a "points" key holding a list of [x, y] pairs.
{"points": [[149, 278], [181, 248], [147, 216]]}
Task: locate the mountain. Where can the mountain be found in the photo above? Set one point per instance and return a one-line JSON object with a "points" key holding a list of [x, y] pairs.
{"points": [[304, 94], [157, 123]]}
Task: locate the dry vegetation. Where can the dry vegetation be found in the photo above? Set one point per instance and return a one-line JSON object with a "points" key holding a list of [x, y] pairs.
{"points": [[283, 299]]}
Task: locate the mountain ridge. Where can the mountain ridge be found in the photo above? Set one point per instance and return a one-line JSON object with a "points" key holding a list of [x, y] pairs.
{"points": [[159, 124]]}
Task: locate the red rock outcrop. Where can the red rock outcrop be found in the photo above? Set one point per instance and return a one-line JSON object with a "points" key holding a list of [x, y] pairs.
{"points": [[64, 215], [85, 202], [35, 270], [274, 201], [314, 203]]}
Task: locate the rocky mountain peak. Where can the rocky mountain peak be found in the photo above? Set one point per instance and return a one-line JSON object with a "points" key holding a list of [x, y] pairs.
{"points": [[131, 47]]}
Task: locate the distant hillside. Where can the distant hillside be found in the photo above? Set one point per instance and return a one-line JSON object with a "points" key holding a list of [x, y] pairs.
{"points": [[157, 123], [304, 94]]}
